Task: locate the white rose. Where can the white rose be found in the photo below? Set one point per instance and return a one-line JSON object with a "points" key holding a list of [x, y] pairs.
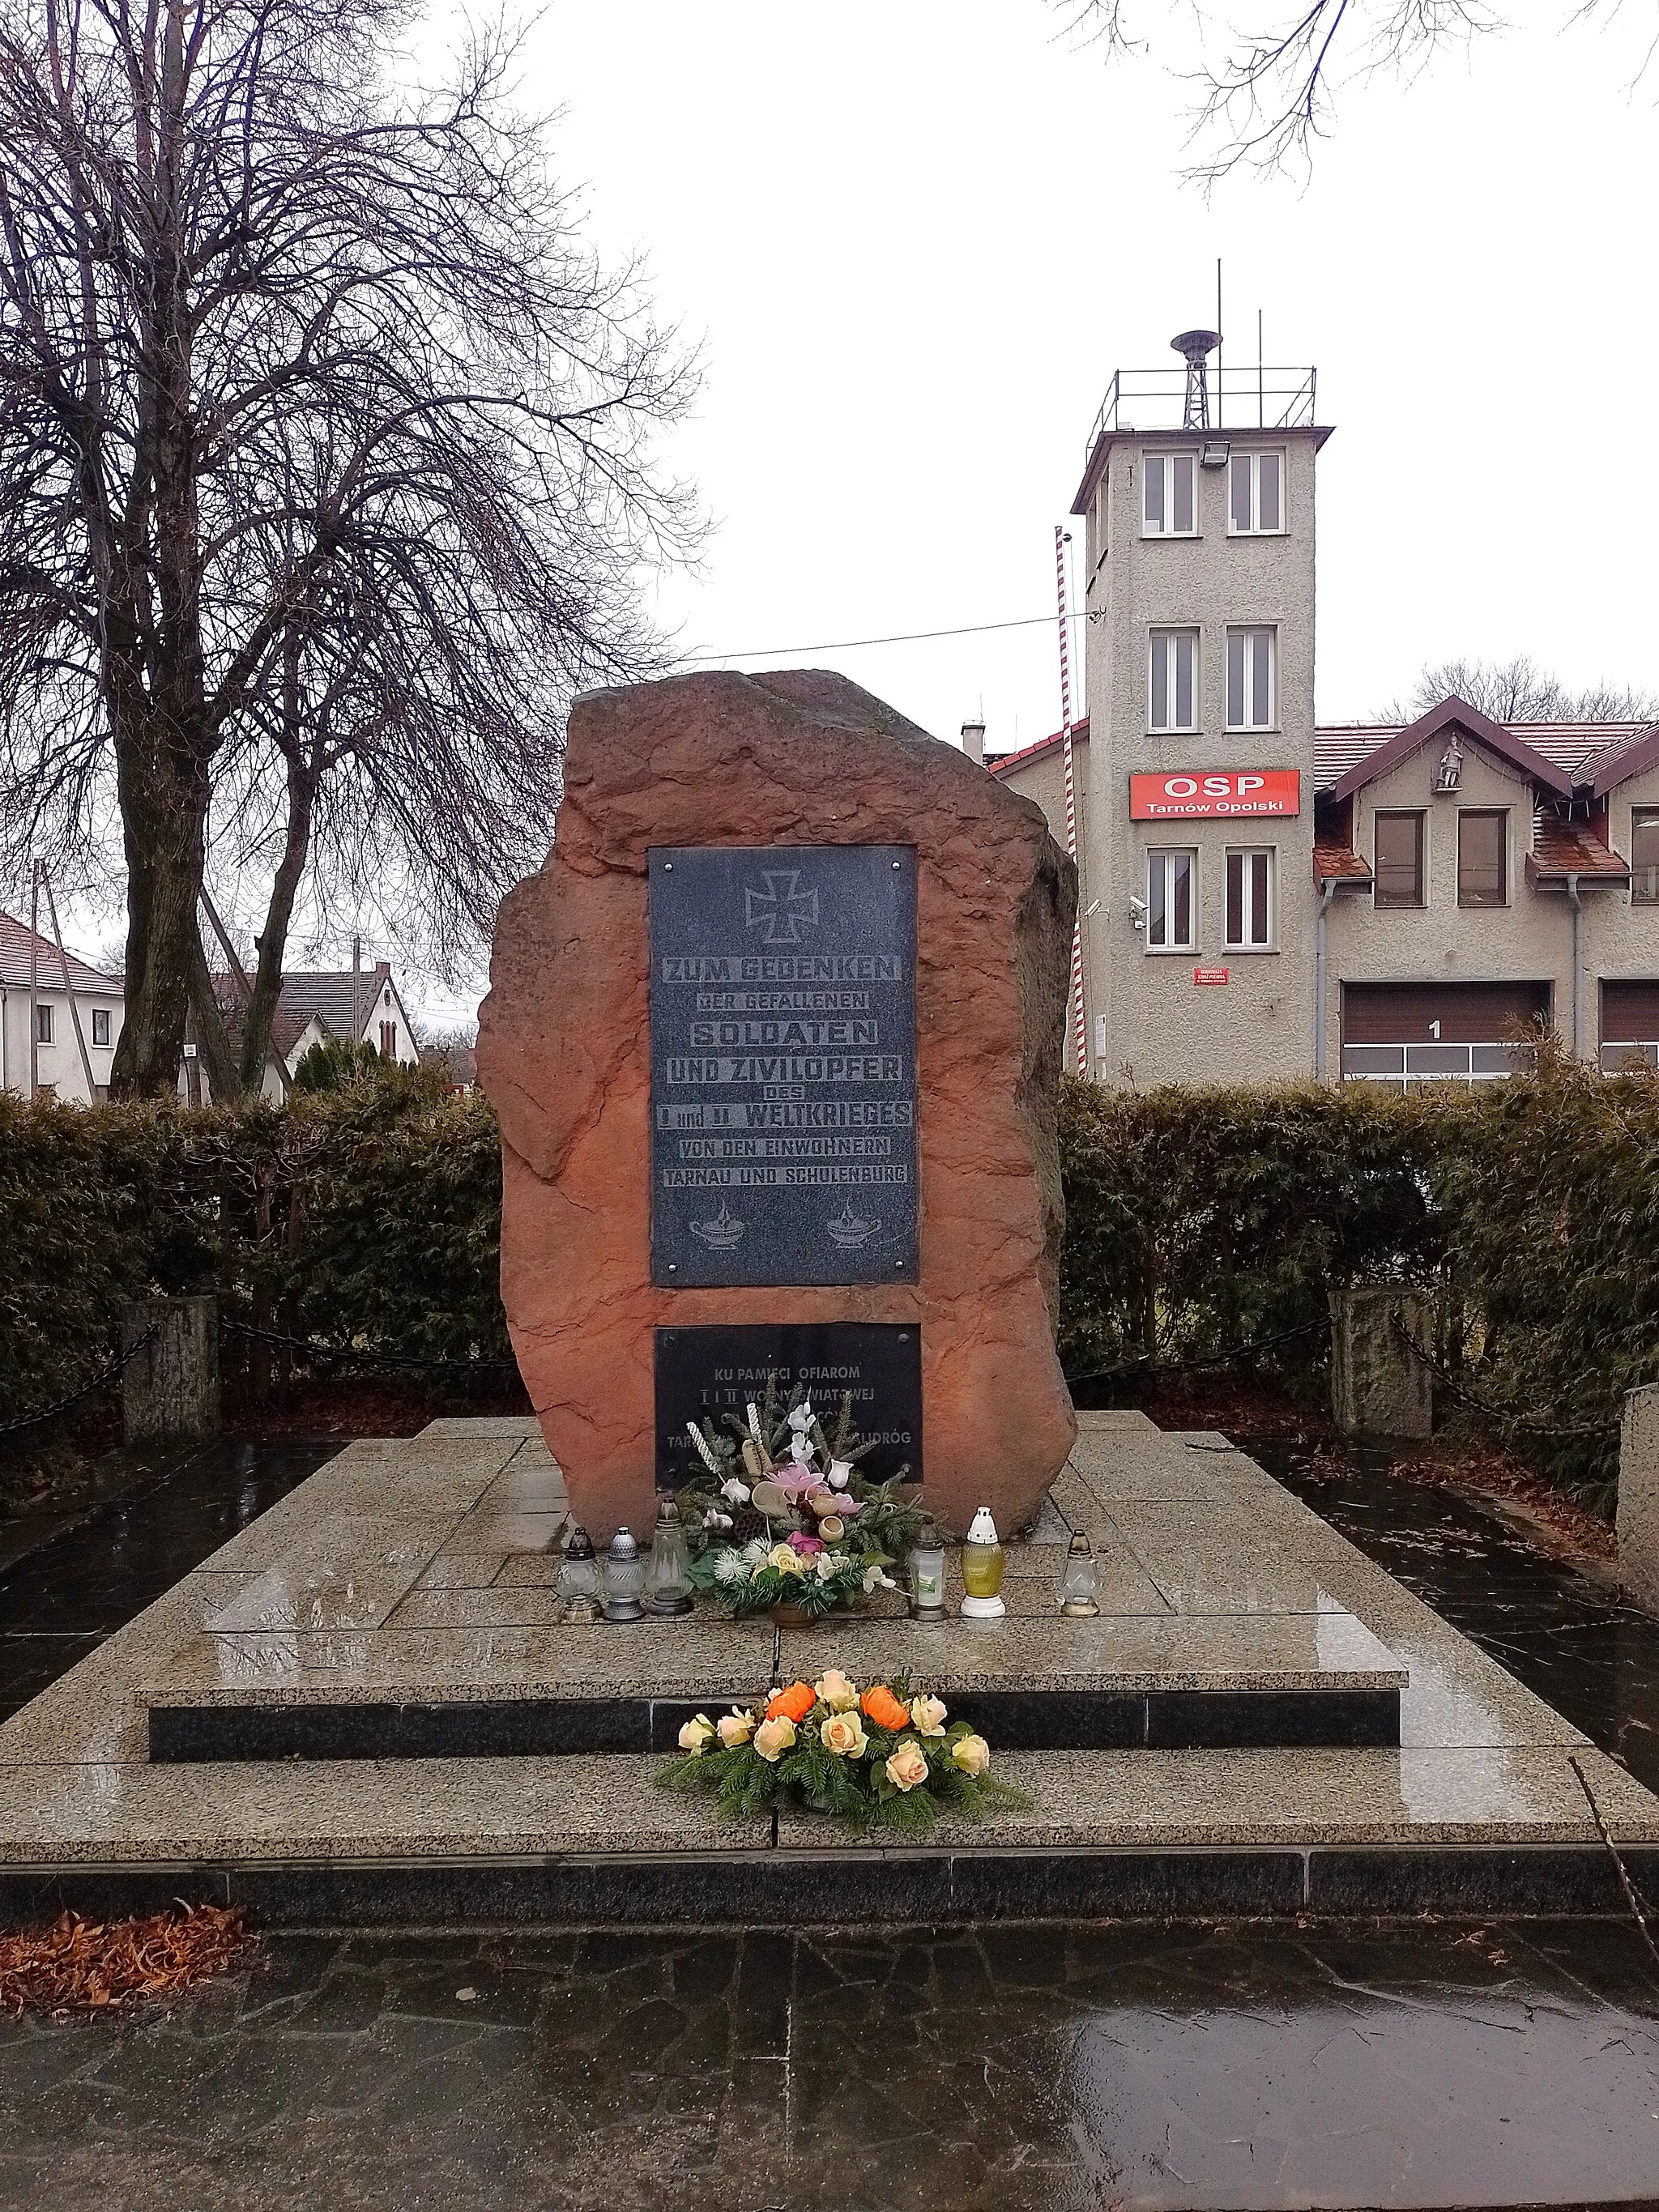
{"points": [[908, 1766], [927, 1716], [971, 1753], [841, 1473], [835, 1690], [736, 1727], [697, 1735], [843, 1733], [736, 1491], [773, 1737]]}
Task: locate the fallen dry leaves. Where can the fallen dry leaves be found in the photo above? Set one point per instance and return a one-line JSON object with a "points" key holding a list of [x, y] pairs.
{"points": [[86, 1966]]}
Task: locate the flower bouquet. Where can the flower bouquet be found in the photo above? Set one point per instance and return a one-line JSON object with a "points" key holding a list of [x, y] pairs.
{"points": [[876, 1759], [777, 1482]]}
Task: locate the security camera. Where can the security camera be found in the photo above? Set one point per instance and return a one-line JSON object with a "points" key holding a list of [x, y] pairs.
{"points": [[1137, 913]]}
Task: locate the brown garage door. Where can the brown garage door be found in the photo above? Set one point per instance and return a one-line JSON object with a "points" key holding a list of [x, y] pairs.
{"points": [[1630, 1022], [1401, 1033]]}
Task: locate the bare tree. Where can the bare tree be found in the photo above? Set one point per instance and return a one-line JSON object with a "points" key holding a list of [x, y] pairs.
{"points": [[1264, 95], [324, 477], [1518, 690]]}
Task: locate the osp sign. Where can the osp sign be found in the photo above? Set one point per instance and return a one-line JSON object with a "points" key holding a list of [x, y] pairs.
{"points": [[1215, 792]]}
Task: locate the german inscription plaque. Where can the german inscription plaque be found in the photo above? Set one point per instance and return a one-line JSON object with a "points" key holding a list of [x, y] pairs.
{"points": [[783, 1064], [704, 1373]]}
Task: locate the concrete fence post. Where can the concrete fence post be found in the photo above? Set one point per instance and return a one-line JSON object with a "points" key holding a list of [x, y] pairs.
{"points": [[170, 1390], [1638, 1495], [1379, 1387]]}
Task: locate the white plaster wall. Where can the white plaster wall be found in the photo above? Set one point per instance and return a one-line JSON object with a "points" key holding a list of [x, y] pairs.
{"points": [[1161, 1028], [1044, 781], [59, 1062]]}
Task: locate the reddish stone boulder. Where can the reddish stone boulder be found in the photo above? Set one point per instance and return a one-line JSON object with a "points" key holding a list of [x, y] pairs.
{"points": [[800, 757]]}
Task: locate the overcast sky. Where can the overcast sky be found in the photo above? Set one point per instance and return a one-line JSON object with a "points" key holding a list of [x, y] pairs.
{"points": [[915, 240]]}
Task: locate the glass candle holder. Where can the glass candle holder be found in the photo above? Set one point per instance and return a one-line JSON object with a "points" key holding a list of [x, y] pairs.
{"points": [[1077, 1584], [982, 1564], [668, 1571], [624, 1578], [580, 1582], [927, 1566]]}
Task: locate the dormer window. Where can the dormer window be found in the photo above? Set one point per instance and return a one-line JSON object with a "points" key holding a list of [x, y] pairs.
{"points": [[1169, 507], [1255, 504]]}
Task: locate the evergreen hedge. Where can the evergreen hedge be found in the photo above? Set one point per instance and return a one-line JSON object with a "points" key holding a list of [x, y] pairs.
{"points": [[1203, 1225]]}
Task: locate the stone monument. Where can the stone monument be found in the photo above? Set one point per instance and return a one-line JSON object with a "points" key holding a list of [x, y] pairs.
{"points": [[774, 1037]]}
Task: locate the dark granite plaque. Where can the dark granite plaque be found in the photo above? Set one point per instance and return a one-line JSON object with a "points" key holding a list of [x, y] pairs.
{"points": [[783, 1064], [708, 1372]]}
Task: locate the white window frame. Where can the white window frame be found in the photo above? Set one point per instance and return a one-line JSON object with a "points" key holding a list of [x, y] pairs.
{"points": [[1254, 527], [1644, 817], [1165, 644], [1254, 639], [1251, 858], [1161, 878], [1162, 469]]}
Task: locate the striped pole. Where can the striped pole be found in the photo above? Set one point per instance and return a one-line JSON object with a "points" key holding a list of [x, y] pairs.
{"points": [[1081, 1031]]}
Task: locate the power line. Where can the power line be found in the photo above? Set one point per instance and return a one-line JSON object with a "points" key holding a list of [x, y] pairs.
{"points": [[907, 637]]}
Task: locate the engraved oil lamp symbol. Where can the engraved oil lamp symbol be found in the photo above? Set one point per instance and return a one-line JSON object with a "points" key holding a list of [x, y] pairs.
{"points": [[722, 1232], [848, 1231]]}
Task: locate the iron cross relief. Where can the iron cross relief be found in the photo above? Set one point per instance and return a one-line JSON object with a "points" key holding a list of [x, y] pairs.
{"points": [[783, 910]]}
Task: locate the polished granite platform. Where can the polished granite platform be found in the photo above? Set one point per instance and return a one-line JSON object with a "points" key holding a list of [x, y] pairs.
{"points": [[366, 1708]]}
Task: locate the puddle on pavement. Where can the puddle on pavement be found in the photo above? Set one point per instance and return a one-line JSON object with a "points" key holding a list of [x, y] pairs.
{"points": [[61, 1598], [1565, 1633]]}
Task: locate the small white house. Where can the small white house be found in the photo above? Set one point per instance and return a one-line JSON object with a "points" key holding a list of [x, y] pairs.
{"points": [[361, 1004], [39, 1054]]}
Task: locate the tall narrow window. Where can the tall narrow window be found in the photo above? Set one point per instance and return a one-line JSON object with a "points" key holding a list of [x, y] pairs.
{"points": [[1481, 838], [1255, 505], [1170, 902], [1397, 872], [101, 1024], [42, 1024], [1167, 507], [1249, 900], [1645, 856], [388, 1040], [1251, 684], [1172, 691]]}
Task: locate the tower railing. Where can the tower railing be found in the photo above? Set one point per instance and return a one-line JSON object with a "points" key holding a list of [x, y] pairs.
{"points": [[1257, 397]]}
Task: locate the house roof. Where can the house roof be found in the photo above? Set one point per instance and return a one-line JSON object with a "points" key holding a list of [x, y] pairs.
{"points": [[1560, 850], [19, 943], [1602, 753], [341, 1000], [1000, 762], [1452, 713], [1337, 863]]}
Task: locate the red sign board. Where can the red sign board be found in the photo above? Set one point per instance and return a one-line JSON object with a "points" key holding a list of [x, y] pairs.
{"points": [[1204, 794], [1211, 976]]}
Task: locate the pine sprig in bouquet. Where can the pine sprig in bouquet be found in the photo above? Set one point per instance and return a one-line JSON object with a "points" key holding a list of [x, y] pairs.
{"points": [[777, 1478], [878, 1758]]}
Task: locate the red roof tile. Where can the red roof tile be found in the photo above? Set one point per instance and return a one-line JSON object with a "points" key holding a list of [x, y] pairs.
{"points": [[998, 762], [1337, 860], [1562, 848], [17, 942]]}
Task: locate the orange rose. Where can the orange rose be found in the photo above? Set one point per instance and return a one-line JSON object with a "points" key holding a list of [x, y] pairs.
{"points": [[795, 1703], [881, 1706]]}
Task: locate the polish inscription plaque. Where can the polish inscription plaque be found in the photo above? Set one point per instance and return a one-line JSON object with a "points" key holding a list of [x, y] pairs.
{"points": [[707, 1374], [783, 1064]]}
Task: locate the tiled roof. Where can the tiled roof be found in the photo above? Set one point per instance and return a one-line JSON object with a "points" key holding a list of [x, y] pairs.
{"points": [[1338, 860], [16, 939], [998, 763], [1576, 748], [342, 1001], [1569, 848]]}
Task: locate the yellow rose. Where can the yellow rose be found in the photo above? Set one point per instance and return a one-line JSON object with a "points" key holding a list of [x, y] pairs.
{"points": [[773, 1738], [837, 1691], [971, 1753], [927, 1716], [843, 1733], [697, 1735], [786, 1559], [736, 1727], [908, 1765]]}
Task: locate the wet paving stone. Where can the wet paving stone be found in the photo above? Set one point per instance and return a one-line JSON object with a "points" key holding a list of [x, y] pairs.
{"points": [[62, 1597], [1562, 1632], [1028, 2070]]}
